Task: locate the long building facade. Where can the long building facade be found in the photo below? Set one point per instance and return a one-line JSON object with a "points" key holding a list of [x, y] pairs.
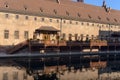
{"points": [[67, 20], [19, 19]]}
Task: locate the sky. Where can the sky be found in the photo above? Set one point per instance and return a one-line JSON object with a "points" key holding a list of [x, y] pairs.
{"points": [[114, 4]]}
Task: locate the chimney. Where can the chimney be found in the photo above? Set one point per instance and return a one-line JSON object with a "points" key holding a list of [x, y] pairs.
{"points": [[80, 0], [104, 3]]}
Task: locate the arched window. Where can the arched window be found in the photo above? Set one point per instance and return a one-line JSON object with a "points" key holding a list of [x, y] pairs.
{"points": [[70, 37], [81, 37], [76, 37], [92, 37], [87, 38]]}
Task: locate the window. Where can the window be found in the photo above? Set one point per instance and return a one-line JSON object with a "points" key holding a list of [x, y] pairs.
{"points": [[87, 24], [70, 37], [6, 34], [42, 19], [41, 10], [26, 17], [70, 22], [89, 16], [17, 16], [87, 37], [81, 37], [93, 24], [57, 21], [6, 5], [16, 34], [25, 7], [92, 37], [6, 15], [35, 18], [64, 21], [82, 23], [76, 37], [55, 11], [50, 20], [5, 76], [15, 75], [76, 22], [99, 17], [26, 34], [67, 13]]}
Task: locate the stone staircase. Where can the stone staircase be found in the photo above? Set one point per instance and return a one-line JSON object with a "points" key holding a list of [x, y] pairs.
{"points": [[17, 47]]}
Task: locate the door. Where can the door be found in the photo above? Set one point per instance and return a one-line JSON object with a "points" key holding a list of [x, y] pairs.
{"points": [[46, 36]]}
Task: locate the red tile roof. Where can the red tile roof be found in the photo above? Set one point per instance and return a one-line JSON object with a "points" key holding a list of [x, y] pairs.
{"points": [[66, 9]]}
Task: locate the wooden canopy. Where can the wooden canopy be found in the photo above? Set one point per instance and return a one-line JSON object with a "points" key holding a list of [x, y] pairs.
{"points": [[47, 29]]}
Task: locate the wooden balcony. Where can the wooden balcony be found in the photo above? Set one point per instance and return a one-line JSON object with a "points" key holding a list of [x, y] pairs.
{"points": [[47, 43], [54, 43], [98, 43]]}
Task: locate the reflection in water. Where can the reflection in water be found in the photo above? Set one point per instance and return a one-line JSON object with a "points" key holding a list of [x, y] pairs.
{"points": [[109, 72]]}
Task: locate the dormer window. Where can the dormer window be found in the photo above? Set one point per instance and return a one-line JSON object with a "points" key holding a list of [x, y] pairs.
{"points": [[67, 13], [108, 19], [99, 17], [41, 10], [115, 20], [25, 7], [55, 11], [89, 16], [6, 4]]}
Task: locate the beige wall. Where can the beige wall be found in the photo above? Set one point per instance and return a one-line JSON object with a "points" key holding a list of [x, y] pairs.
{"points": [[30, 24]]}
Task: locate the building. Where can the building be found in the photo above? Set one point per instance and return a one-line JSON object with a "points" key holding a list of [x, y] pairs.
{"points": [[77, 21], [19, 19]]}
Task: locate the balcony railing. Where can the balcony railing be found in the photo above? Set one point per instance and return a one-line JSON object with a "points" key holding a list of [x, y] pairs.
{"points": [[48, 42], [98, 43]]}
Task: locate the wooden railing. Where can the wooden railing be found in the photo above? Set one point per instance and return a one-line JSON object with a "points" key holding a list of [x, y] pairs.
{"points": [[49, 42], [55, 43], [98, 43]]}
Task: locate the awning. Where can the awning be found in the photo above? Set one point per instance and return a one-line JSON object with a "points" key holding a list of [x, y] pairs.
{"points": [[46, 29]]}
